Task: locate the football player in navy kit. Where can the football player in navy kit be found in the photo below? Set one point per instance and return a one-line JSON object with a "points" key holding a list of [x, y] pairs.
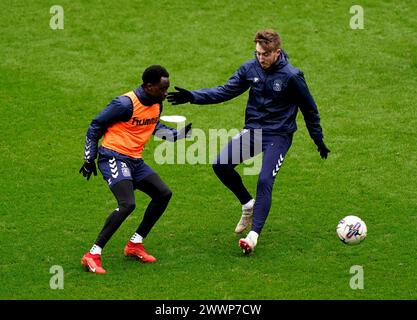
{"points": [[277, 91]]}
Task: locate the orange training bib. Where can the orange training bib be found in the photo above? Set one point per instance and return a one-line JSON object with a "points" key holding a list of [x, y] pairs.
{"points": [[129, 138]]}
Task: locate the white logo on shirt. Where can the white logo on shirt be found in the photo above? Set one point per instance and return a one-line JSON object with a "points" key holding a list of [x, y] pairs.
{"points": [[277, 85]]}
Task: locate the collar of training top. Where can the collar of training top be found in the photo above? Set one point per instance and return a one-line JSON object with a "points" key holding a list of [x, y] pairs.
{"points": [[145, 98], [281, 61]]}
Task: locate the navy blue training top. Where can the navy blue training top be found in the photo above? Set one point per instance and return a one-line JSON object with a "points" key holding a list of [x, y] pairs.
{"points": [[274, 97]]}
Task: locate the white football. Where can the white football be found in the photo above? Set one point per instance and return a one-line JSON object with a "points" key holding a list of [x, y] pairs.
{"points": [[351, 230]]}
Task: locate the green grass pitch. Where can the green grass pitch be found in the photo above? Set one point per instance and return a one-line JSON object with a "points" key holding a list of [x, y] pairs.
{"points": [[53, 82]]}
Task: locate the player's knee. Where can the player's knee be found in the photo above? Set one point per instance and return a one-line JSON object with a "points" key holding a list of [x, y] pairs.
{"points": [[166, 194], [265, 182], [127, 207]]}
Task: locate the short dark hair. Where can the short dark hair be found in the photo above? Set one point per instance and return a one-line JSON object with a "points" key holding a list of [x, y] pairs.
{"points": [[153, 74], [268, 38]]}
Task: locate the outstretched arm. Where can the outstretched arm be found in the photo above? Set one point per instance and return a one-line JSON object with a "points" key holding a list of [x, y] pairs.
{"points": [[234, 87]]}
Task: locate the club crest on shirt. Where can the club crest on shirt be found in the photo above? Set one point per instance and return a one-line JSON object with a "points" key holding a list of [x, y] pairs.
{"points": [[276, 86]]}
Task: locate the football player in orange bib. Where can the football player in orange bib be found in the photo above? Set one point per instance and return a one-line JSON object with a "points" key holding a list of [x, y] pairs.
{"points": [[126, 125]]}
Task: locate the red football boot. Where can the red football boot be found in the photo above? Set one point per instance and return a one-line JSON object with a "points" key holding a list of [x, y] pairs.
{"points": [[137, 250], [93, 263]]}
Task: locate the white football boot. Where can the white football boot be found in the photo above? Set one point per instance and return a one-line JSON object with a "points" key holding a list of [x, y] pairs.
{"points": [[248, 244], [246, 218]]}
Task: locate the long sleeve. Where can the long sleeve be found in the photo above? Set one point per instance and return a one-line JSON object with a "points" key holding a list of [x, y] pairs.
{"points": [[164, 132], [234, 87], [307, 106], [119, 109]]}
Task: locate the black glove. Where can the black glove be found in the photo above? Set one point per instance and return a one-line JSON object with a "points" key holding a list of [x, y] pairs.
{"points": [[321, 147], [179, 97], [88, 168], [185, 132]]}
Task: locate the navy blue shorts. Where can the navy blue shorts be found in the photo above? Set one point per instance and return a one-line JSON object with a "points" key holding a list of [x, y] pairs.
{"points": [[116, 167]]}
